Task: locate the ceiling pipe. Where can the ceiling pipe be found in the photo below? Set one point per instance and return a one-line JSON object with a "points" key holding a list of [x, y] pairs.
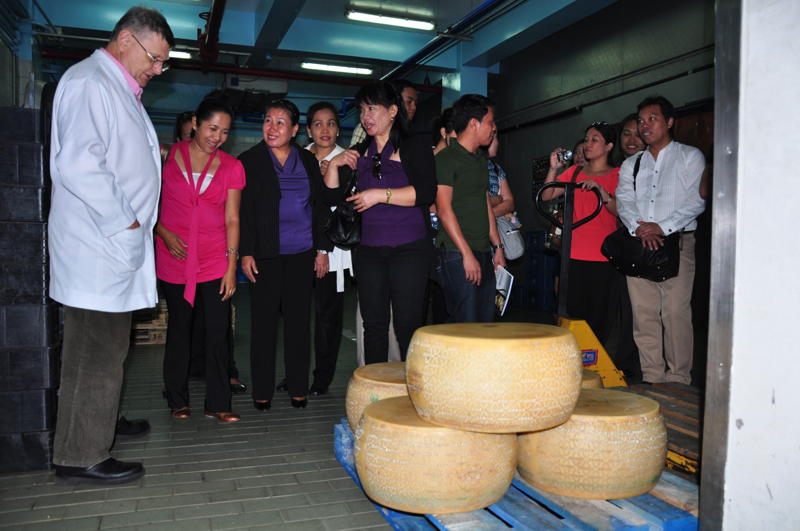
{"points": [[444, 38], [239, 70], [208, 41]]}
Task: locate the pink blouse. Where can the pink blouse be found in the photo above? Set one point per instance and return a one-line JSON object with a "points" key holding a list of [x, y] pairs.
{"points": [[198, 218]]}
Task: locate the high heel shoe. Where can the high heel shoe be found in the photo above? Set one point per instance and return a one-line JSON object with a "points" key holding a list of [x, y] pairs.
{"points": [[299, 403], [223, 416], [262, 405], [237, 387], [180, 413]]}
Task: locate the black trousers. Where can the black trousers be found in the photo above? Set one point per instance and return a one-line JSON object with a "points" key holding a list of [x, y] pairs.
{"points": [[593, 295], [396, 276], [197, 365], [177, 354], [328, 315], [282, 288]]}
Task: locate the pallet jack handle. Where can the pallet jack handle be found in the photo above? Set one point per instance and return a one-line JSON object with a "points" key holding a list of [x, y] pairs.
{"points": [[566, 231]]}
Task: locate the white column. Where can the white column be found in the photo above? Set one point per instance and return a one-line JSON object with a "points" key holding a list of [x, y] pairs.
{"points": [[752, 436]]}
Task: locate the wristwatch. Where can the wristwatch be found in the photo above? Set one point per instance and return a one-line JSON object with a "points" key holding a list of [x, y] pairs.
{"points": [[322, 251], [500, 246]]}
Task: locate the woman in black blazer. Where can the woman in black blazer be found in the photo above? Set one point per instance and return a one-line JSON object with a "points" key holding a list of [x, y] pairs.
{"points": [[284, 206]]}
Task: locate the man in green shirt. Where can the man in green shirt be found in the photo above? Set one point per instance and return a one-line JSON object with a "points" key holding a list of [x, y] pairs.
{"points": [[469, 245]]}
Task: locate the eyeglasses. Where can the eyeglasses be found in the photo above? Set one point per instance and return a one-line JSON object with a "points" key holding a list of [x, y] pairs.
{"points": [[376, 166], [164, 62]]}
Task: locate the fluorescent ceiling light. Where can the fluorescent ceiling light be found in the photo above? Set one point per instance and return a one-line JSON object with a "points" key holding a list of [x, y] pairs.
{"points": [[390, 21], [337, 68], [175, 54]]}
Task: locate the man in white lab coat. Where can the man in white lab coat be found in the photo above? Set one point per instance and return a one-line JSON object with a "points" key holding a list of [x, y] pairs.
{"points": [[105, 166]]}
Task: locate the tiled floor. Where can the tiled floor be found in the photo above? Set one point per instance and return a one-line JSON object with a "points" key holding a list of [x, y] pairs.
{"points": [[272, 470]]}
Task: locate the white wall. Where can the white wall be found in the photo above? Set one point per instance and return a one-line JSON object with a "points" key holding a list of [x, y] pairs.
{"points": [[762, 472]]}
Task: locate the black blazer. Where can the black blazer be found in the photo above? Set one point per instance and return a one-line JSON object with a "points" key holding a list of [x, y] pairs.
{"points": [[416, 156], [261, 201]]}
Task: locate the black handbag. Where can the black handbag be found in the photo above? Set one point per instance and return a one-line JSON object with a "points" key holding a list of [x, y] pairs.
{"points": [[343, 226], [627, 254]]}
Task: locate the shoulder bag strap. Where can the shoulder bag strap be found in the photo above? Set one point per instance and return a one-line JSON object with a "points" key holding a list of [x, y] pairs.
{"points": [[636, 169], [578, 169]]}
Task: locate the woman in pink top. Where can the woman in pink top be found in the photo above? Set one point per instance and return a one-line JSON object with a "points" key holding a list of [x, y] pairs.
{"points": [[593, 281], [196, 254]]}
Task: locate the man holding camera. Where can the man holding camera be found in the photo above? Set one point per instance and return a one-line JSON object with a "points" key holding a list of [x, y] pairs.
{"points": [[660, 199]]}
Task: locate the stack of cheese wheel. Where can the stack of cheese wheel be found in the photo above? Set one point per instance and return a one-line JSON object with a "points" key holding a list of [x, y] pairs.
{"points": [[371, 383], [494, 377], [591, 380], [613, 446], [412, 465]]}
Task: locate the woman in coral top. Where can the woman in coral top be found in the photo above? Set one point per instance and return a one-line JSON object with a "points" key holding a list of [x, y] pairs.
{"points": [[196, 254], [592, 279]]}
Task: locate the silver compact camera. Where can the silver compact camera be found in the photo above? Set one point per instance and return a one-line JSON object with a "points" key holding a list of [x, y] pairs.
{"points": [[564, 156]]}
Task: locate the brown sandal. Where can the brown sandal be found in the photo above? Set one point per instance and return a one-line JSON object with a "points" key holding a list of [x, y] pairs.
{"points": [[181, 413], [224, 416]]}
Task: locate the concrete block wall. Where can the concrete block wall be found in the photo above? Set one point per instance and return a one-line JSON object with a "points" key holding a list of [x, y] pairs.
{"points": [[30, 323]]}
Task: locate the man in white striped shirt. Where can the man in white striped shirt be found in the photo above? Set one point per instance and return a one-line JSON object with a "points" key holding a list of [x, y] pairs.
{"points": [[661, 199]]}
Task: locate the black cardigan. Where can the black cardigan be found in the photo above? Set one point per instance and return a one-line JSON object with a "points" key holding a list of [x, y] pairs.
{"points": [[416, 156], [261, 202]]}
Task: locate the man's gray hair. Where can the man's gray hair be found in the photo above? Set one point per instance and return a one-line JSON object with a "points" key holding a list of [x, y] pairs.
{"points": [[140, 19]]}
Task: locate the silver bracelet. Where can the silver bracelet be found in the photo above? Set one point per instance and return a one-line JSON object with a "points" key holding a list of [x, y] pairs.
{"points": [[231, 251]]}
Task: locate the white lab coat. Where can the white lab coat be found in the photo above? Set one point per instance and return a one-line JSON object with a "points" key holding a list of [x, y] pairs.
{"points": [[105, 165]]}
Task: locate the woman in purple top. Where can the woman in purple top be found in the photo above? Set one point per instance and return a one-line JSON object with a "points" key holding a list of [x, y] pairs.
{"points": [[396, 186], [283, 208]]}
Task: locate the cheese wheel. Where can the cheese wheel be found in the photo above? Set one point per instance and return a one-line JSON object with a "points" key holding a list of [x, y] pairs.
{"points": [[613, 446], [411, 465], [494, 377], [371, 383], [591, 380]]}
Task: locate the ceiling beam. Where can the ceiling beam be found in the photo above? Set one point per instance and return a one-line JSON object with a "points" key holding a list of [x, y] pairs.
{"points": [[280, 18]]}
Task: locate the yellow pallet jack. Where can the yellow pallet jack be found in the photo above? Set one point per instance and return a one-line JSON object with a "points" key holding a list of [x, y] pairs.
{"points": [[594, 355]]}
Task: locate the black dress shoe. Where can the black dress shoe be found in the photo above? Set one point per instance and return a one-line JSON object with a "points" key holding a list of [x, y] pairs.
{"points": [[238, 388], [108, 472], [317, 390], [262, 405], [299, 403], [282, 386], [131, 429]]}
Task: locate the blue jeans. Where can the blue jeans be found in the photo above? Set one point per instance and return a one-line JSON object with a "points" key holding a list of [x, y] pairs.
{"points": [[466, 302]]}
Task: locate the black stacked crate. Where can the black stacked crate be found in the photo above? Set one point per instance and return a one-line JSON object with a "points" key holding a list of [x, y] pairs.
{"points": [[30, 330]]}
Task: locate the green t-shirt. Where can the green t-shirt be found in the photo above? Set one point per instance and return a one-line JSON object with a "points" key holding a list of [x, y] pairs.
{"points": [[468, 174]]}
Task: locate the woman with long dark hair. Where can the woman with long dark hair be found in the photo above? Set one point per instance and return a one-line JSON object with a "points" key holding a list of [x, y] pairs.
{"points": [[196, 253], [592, 277], [396, 177]]}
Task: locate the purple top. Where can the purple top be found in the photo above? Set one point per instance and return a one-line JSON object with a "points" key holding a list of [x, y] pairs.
{"points": [[294, 211], [387, 225]]}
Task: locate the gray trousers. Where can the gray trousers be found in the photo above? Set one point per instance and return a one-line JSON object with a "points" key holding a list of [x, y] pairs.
{"points": [[92, 359], [662, 321]]}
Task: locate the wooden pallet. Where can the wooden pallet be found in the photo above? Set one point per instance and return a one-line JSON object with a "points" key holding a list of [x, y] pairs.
{"points": [[682, 407], [149, 336], [150, 324], [671, 506]]}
